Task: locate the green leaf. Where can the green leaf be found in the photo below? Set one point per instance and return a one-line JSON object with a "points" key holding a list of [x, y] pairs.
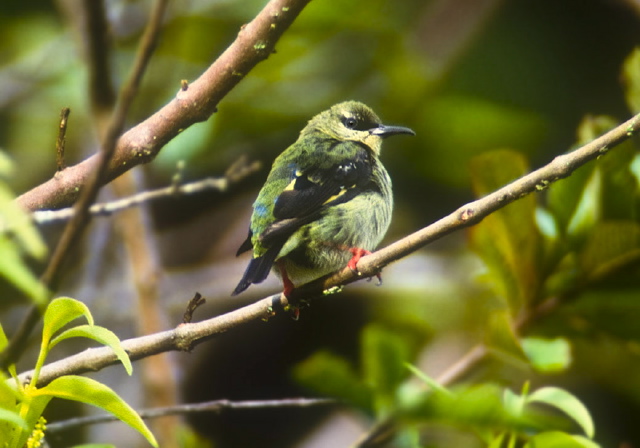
{"points": [[557, 439], [20, 224], [478, 406], [496, 442], [12, 417], [6, 165], [631, 80], [567, 403], [501, 337], [89, 391], [36, 406], [60, 312], [588, 209], [548, 355], [3, 339], [98, 334], [331, 375], [634, 168], [384, 355], [431, 382], [610, 246], [13, 268], [508, 240], [564, 196], [546, 224], [513, 402], [189, 438], [9, 393]]}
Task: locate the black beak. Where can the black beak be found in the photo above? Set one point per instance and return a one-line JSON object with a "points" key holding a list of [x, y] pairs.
{"points": [[385, 131]]}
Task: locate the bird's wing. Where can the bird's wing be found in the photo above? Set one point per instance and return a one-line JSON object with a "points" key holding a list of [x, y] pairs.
{"points": [[246, 244], [318, 187]]}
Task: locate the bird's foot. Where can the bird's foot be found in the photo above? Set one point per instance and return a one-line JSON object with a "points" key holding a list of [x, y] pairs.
{"points": [[379, 277], [358, 253], [294, 309]]}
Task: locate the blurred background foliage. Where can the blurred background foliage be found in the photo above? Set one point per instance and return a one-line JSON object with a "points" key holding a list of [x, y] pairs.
{"points": [[492, 88]]}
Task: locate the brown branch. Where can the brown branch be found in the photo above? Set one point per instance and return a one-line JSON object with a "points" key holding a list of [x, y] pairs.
{"points": [[234, 175], [186, 336], [182, 338], [216, 406], [60, 142], [255, 42]]}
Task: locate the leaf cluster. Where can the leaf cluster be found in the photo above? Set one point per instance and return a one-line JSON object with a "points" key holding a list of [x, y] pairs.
{"points": [[22, 405]]}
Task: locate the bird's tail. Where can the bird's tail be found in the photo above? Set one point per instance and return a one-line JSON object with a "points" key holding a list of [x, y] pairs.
{"points": [[257, 270]]}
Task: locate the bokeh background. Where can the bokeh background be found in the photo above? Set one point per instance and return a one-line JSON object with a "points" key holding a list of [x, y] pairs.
{"points": [[468, 76]]}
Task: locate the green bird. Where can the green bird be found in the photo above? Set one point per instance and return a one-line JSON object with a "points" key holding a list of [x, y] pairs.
{"points": [[327, 200]]}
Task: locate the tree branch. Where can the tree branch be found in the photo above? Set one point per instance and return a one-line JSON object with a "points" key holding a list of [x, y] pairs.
{"points": [[216, 406], [186, 336], [472, 213], [236, 172], [142, 143]]}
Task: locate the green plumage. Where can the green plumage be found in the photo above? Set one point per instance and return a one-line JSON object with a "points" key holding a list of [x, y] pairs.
{"points": [[326, 200]]}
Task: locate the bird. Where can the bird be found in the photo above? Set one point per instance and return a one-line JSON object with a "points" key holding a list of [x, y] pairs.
{"points": [[327, 200]]}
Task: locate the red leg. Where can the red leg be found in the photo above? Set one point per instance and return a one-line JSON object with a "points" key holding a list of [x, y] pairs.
{"points": [[288, 285], [288, 289], [358, 253]]}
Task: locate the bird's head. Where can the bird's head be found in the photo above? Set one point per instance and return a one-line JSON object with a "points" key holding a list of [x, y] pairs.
{"points": [[353, 121]]}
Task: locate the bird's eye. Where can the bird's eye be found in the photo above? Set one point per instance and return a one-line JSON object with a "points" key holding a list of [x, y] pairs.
{"points": [[351, 122]]}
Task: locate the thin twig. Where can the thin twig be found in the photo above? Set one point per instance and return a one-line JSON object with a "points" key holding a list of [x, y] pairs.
{"points": [[193, 304], [61, 140], [185, 337], [182, 409], [173, 191]]}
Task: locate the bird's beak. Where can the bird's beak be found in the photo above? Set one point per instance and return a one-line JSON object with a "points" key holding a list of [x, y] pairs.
{"points": [[385, 131]]}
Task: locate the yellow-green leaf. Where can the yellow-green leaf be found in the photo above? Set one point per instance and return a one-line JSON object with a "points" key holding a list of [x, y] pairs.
{"points": [[98, 334], [331, 375], [567, 403], [60, 312], [508, 240], [20, 224], [557, 439], [12, 417], [610, 246], [501, 337], [89, 391], [631, 80], [548, 355], [14, 269]]}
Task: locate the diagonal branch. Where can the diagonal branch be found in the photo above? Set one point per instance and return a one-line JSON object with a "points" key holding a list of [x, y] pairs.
{"points": [[186, 336], [193, 103]]}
